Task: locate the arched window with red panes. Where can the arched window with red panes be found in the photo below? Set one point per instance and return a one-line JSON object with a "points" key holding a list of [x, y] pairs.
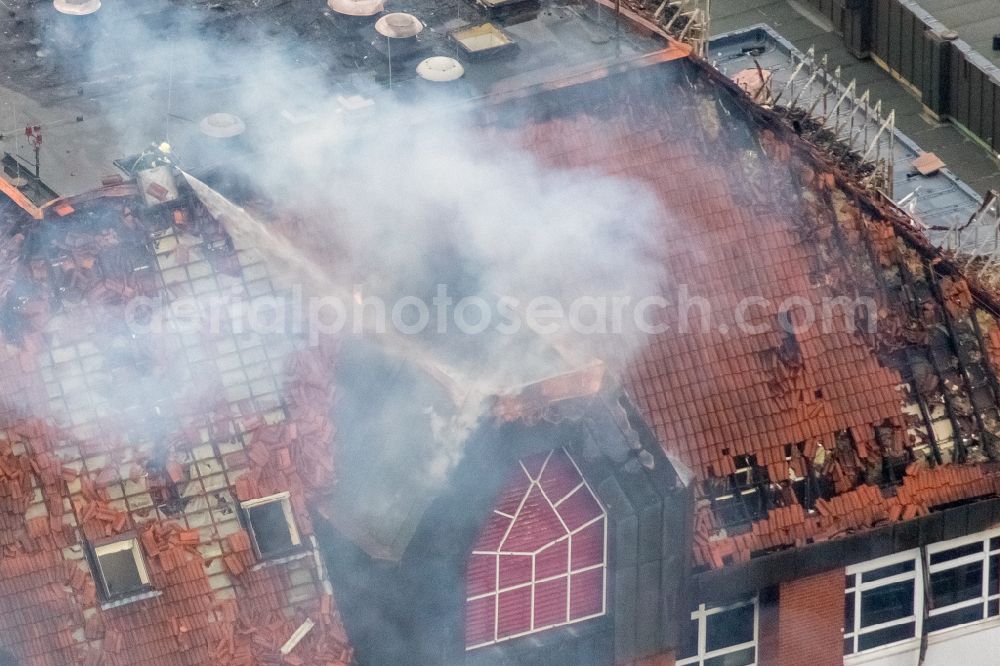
{"points": [[540, 561]]}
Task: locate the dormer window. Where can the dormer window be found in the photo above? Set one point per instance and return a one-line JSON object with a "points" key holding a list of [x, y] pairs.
{"points": [[119, 569], [541, 557], [272, 525]]}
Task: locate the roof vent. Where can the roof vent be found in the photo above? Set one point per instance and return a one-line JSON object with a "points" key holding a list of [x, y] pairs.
{"points": [[399, 25], [76, 7], [355, 103], [440, 68], [222, 125], [356, 7]]}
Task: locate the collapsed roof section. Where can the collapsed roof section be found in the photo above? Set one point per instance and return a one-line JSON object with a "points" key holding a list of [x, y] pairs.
{"points": [[793, 435], [797, 432], [130, 457]]}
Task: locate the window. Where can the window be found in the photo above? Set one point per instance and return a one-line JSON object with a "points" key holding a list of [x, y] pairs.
{"points": [[882, 602], [539, 561], [272, 526], [737, 499], [119, 569], [723, 636], [964, 580]]}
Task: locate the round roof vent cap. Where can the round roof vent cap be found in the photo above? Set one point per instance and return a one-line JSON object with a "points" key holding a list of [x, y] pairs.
{"points": [[356, 7], [440, 68], [222, 125], [76, 7], [399, 25]]}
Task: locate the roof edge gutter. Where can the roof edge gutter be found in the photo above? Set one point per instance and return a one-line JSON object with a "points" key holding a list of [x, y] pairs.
{"points": [[18, 197], [728, 583]]}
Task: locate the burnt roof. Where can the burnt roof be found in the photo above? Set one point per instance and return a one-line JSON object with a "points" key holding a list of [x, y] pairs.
{"points": [[886, 424], [890, 424]]}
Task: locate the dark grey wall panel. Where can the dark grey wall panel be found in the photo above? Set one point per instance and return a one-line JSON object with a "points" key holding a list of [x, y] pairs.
{"points": [[880, 43], [918, 67], [935, 89], [994, 139], [895, 43], [626, 591], [987, 110], [906, 43], [977, 82], [953, 80], [960, 90], [648, 622]]}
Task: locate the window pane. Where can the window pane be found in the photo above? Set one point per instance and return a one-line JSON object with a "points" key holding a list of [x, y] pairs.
{"points": [[885, 636], [993, 608], [994, 543], [849, 581], [885, 572], [950, 619], [120, 573], [730, 627], [270, 528], [887, 603], [955, 553], [741, 658], [689, 641], [732, 511], [849, 612], [849, 645], [994, 574], [960, 583]]}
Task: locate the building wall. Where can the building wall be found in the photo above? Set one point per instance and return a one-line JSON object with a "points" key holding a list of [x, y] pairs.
{"points": [[664, 659], [968, 646], [951, 78], [971, 645], [810, 619]]}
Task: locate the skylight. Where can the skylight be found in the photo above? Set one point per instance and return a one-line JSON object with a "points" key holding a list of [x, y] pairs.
{"points": [[272, 525], [119, 569]]}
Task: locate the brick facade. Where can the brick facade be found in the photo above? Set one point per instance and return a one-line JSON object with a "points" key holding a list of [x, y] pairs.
{"points": [[810, 619]]}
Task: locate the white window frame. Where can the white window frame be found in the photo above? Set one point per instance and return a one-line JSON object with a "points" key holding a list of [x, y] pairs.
{"points": [[701, 616], [535, 581], [286, 507], [121, 545], [858, 587], [984, 556]]}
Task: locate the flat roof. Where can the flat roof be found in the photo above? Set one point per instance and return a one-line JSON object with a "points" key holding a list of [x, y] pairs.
{"points": [[975, 21], [938, 200], [146, 74]]}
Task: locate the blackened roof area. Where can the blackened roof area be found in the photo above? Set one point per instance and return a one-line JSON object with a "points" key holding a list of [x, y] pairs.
{"points": [[829, 427]]}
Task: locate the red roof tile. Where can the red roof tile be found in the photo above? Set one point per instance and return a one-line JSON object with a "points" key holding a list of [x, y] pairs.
{"points": [[752, 212], [104, 470]]}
